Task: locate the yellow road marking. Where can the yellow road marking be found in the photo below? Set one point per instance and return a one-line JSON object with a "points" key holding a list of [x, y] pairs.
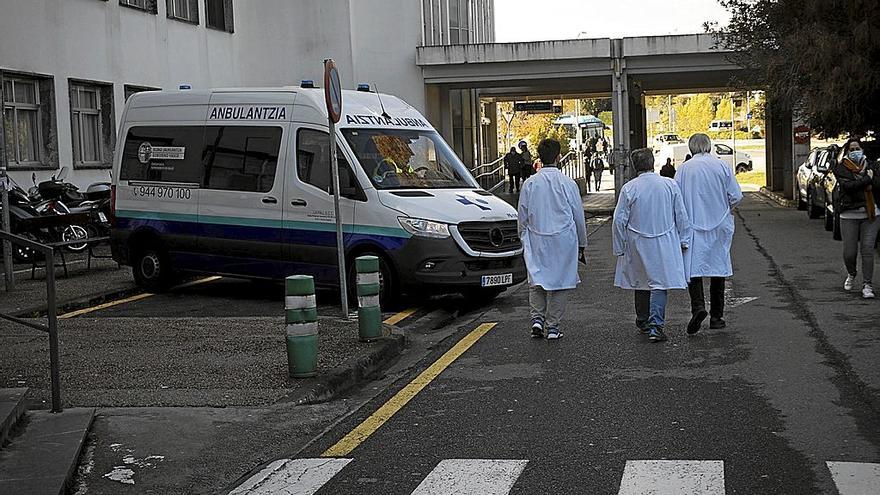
{"points": [[363, 431], [138, 297], [395, 319], [106, 305]]}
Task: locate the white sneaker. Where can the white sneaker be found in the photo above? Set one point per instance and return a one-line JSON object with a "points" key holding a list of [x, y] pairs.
{"points": [[868, 292], [850, 280]]}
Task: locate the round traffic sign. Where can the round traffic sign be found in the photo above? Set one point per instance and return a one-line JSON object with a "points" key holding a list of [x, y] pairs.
{"points": [[332, 90]]}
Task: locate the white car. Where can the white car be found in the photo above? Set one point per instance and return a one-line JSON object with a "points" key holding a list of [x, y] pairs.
{"points": [[679, 152]]}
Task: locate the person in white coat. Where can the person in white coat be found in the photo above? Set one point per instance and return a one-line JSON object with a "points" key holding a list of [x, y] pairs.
{"points": [[554, 235], [651, 229], [710, 193]]}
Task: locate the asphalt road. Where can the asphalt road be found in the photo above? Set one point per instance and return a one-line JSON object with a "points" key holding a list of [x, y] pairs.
{"points": [[762, 406]]}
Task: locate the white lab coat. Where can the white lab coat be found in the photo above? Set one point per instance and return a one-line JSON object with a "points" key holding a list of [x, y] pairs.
{"points": [[710, 191], [651, 228], [552, 229]]}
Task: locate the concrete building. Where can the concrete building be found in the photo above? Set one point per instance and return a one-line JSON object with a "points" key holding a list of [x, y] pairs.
{"points": [[68, 65]]}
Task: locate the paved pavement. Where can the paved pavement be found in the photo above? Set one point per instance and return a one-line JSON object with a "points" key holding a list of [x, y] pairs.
{"points": [[783, 401]]}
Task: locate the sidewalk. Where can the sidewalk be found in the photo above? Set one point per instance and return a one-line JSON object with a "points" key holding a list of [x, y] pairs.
{"points": [[82, 287]]}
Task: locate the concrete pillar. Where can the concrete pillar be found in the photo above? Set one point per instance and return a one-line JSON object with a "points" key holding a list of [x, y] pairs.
{"points": [[439, 113], [780, 170], [621, 114], [490, 133], [799, 152], [638, 118]]}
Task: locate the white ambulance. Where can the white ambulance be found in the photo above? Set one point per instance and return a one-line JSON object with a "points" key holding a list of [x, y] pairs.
{"points": [[237, 182]]}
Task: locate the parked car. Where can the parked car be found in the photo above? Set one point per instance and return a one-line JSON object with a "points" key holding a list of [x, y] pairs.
{"points": [[667, 138], [678, 153], [810, 177]]}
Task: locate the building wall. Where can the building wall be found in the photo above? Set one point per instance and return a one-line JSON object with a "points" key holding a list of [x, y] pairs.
{"points": [[274, 43]]}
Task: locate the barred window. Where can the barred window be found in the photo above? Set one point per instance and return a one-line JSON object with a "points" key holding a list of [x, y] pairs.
{"points": [[92, 123], [218, 15], [184, 10], [21, 119]]}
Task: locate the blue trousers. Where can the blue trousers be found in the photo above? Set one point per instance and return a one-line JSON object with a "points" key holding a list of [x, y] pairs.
{"points": [[651, 308]]}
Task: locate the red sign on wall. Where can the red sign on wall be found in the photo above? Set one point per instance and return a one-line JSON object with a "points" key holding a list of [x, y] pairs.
{"points": [[802, 134]]}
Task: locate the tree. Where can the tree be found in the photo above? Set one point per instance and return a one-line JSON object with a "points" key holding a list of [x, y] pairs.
{"points": [[820, 58], [694, 114]]}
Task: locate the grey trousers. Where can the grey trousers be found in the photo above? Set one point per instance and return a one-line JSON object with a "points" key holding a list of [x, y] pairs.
{"points": [[859, 235], [548, 306]]}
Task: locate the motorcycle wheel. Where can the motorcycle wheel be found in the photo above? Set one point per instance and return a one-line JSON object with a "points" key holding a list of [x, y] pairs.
{"points": [[75, 233]]}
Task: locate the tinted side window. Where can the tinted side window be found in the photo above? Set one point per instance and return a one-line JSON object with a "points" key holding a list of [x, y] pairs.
{"points": [[164, 154], [240, 158], [313, 161]]}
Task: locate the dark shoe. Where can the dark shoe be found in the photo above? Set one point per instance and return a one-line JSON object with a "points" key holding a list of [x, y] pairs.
{"points": [[554, 334], [716, 323], [655, 334], [537, 329], [696, 321], [644, 330]]}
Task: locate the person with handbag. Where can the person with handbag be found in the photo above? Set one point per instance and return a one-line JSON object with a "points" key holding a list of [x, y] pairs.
{"points": [[858, 182]]}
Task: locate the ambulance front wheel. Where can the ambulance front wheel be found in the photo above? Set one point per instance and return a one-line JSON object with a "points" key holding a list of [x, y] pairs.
{"points": [[152, 268], [388, 286]]}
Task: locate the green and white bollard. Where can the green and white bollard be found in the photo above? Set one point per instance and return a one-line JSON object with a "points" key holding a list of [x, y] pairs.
{"points": [[369, 310], [301, 317]]}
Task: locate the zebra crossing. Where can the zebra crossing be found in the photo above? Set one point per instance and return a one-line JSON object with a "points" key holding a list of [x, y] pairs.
{"points": [[498, 476]]}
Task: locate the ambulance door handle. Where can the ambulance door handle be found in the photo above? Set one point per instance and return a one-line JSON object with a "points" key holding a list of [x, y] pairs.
{"points": [[269, 200], [298, 202]]}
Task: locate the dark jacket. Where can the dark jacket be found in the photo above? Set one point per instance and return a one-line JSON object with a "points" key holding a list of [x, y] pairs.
{"points": [[851, 186], [526, 164], [668, 170], [513, 163]]}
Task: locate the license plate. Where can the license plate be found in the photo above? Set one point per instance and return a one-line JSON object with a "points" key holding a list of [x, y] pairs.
{"points": [[496, 280], [102, 217]]}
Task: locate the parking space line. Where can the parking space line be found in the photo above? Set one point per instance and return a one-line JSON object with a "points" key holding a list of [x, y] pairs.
{"points": [[369, 426], [138, 297], [74, 314], [395, 319]]}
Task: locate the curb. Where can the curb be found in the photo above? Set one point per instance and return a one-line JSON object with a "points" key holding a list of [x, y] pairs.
{"points": [[345, 376], [777, 198], [81, 303]]}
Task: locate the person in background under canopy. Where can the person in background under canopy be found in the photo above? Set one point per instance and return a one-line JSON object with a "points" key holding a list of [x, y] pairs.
{"points": [[651, 229], [554, 236], [710, 193]]}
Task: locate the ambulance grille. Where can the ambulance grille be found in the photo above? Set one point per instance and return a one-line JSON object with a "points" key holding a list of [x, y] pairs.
{"points": [[490, 237]]}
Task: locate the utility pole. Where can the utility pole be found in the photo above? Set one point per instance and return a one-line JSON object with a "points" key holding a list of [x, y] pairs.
{"points": [[733, 127], [5, 225]]}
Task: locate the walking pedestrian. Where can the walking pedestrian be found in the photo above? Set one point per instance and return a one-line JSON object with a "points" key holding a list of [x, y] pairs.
{"points": [[859, 182], [668, 169], [514, 169], [527, 168], [588, 170], [554, 236], [651, 229], [598, 168], [710, 193]]}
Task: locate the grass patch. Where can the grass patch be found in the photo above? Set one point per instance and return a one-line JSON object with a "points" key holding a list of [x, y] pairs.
{"points": [[754, 178]]}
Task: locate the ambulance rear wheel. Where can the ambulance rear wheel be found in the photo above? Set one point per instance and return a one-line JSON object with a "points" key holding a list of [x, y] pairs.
{"points": [[152, 269]]}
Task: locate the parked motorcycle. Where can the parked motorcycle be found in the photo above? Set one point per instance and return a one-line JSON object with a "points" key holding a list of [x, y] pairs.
{"points": [[60, 197]]}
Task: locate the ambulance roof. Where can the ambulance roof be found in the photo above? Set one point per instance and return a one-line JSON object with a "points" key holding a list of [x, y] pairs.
{"points": [[360, 108]]}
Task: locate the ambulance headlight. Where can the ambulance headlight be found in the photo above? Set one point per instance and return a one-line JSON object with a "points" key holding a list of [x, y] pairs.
{"points": [[424, 228]]}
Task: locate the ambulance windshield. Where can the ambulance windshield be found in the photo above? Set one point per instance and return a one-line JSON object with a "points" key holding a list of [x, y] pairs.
{"points": [[401, 159]]}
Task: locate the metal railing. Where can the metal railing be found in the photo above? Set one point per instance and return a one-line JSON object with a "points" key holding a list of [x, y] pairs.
{"points": [[490, 176], [51, 326]]}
